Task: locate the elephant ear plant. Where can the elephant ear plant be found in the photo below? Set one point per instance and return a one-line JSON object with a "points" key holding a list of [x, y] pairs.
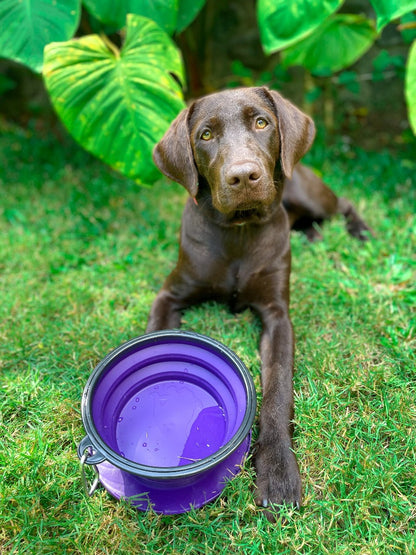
{"points": [[26, 27], [117, 103], [311, 33], [117, 96]]}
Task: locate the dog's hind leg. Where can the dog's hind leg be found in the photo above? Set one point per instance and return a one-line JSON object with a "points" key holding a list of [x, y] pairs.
{"points": [[356, 226], [309, 201]]}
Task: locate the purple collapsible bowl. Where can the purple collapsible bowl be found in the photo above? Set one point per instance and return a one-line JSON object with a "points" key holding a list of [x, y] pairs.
{"points": [[168, 418]]}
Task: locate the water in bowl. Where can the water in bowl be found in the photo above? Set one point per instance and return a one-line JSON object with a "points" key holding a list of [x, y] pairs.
{"points": [[173, 422]]}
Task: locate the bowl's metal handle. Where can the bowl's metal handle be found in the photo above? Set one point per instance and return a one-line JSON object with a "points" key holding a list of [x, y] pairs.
{"points": [[87, 456]]}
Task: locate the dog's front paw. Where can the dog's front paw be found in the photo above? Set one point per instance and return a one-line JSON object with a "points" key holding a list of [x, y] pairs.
{"points": [[278, 479]]}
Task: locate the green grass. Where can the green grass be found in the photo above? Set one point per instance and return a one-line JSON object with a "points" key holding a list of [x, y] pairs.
{"points": [[83, 253]]}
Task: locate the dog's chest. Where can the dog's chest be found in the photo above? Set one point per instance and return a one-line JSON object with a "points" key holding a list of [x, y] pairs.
{"points": [[233, 264], [229, 264]]}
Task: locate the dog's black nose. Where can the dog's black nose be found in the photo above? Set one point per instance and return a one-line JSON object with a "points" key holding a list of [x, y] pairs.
{"points": [[243, 173]]}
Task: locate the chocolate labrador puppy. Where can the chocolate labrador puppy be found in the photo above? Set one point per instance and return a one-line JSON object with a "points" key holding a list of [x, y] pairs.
{"points": [[236, 153]]}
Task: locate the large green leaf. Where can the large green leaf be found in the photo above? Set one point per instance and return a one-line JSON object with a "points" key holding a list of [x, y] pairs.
{"points": [[408, 27], [410, 86], [187, 11], [335, 45], [26, 26], [117, 104], [387, 10], [284, 22], [113, 14]]}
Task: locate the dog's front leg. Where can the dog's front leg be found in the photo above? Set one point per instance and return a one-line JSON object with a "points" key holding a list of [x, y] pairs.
{"points": [[165, 312], [278, 478], [179, 292]]}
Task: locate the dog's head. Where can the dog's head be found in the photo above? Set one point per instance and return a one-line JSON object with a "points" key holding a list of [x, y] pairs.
{"points": [[236, 145]]}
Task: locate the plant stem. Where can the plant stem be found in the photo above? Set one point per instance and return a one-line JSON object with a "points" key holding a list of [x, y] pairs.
{"points": [[110, 45]]}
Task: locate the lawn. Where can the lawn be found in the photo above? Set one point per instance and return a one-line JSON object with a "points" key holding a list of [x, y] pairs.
{"points": [[83, 253]]}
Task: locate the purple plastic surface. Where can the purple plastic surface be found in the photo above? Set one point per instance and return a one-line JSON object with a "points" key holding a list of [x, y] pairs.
{"points": [[176, 496], [163, 406], [186, 424], [168, 404]]}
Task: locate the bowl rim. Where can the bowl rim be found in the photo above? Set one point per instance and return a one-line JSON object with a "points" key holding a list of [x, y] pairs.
{"points": [[100, 447]]}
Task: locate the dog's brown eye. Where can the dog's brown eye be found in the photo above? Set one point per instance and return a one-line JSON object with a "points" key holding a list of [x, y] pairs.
{"points": [[206, 135], [261, 123]]}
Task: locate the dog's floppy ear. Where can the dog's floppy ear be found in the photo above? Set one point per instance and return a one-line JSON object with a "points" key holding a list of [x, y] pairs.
{"points": [[296, 130], [173, 154]]}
